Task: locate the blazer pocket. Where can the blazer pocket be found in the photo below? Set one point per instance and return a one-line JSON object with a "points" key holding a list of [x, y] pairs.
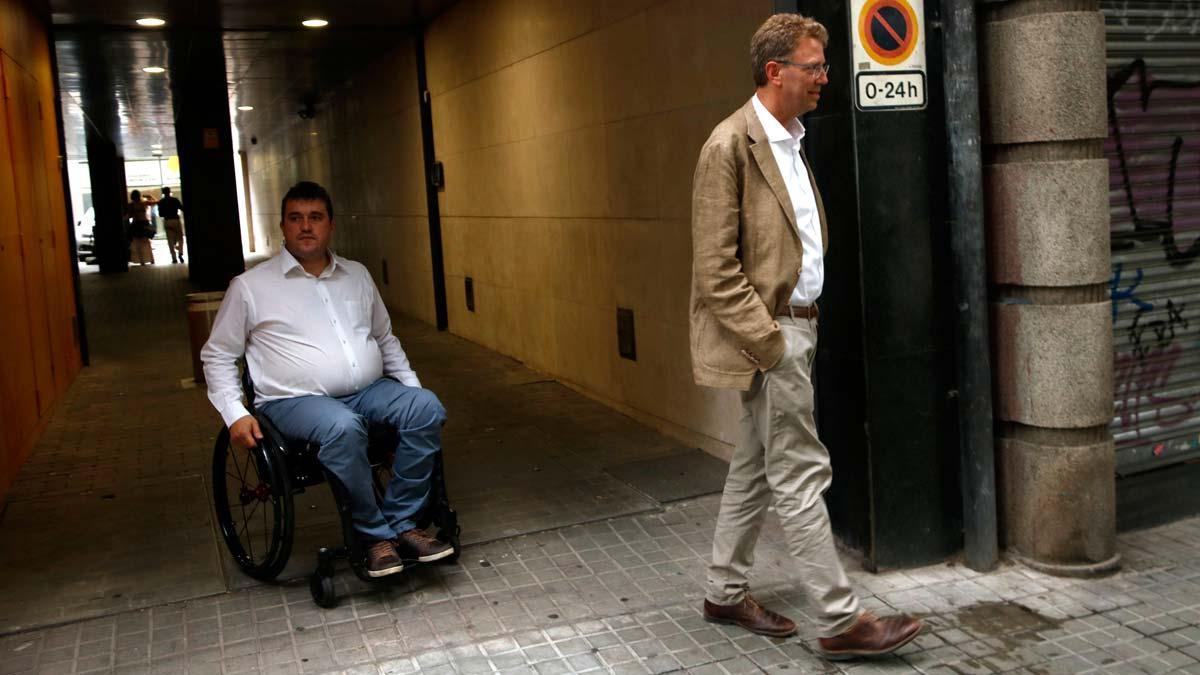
{"points": [[717, 348]]}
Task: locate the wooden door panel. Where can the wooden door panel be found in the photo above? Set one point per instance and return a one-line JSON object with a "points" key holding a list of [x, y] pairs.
{"points": [[50, 242], [17, 379], [23, 165]]}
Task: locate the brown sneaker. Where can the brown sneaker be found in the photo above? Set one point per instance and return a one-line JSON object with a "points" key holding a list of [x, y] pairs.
{"points": [[382, 559], [871, 636], [416, 545], [750, 615]]}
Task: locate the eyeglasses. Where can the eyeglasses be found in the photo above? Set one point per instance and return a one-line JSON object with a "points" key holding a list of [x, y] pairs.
{"points": [[814, 69]]}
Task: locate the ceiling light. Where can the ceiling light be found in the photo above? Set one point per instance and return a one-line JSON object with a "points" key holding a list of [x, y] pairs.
{"points": [[314, 23], [154, 70], [151, 22], [156, 152], [245, 107], [312, 133], [156, 146]]}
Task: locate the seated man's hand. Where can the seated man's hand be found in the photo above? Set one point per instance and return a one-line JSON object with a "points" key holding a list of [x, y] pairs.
{"points": [[245, 432]]}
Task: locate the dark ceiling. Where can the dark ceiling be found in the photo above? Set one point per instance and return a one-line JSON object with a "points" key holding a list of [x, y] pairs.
{"points": [[271, 61]]}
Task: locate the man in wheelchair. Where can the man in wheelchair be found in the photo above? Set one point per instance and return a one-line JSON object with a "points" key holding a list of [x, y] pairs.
{"points": [[318, 341]]}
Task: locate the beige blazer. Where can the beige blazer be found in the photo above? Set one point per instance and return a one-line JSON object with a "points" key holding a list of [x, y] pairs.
{"points": [[746, 253]]}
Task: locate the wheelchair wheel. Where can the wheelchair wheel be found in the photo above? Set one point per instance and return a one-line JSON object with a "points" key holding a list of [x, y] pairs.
{"points": [[321, 588], [253, 498]]}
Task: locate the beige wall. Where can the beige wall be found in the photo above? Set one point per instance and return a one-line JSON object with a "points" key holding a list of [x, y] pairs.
{"points": [[367, 151], [568, 132], [37, 336]]}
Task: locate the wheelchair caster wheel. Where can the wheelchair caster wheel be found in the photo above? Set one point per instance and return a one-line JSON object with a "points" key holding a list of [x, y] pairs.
{"points": [[322, 590]]}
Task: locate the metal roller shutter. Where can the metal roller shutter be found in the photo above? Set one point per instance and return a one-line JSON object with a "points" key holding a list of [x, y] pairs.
{"points": [[1153, 150]]}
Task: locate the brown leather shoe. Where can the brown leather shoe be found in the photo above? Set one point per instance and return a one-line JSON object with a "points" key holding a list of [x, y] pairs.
{"points": [[418, 545], [752, 616], [382, 559], [871, 636]]}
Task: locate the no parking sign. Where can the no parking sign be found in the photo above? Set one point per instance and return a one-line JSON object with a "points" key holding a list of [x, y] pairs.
{"points": [[889, 54]]}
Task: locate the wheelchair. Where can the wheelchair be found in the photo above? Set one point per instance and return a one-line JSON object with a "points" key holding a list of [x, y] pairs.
{"points": [[253, 495]]}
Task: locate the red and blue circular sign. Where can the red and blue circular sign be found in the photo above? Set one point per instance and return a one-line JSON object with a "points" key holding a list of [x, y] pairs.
{"points": [[887, 30]]}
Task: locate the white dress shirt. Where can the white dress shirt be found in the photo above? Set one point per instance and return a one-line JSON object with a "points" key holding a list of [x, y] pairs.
{"points": [[785, 146], [301, 334]]}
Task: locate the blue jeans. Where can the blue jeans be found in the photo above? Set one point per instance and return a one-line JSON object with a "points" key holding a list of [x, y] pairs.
{"points": [[340, 424]]}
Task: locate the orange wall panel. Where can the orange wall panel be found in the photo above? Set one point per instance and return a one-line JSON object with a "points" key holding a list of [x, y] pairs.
{"points": [[38, 343]]}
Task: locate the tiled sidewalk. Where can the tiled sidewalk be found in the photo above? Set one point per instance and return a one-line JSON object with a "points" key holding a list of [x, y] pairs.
{"points": [[107, 539], [623, 595]]}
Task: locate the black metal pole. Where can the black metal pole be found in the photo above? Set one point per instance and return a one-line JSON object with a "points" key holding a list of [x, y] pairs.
{"points": [[965, 214], [431, 187]]}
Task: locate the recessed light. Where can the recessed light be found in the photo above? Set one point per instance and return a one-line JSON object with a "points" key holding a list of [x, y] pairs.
{"points": [[156, 152], [245, 107], [154, 70], [151, 22], [156, 146], [312, 133], [314, 23]]}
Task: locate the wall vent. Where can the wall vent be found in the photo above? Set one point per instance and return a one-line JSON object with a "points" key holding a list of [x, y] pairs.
{"points": [[626, 342]]}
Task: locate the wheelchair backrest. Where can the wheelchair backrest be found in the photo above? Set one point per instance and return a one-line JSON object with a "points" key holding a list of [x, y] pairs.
{"points": [[247, 384]]}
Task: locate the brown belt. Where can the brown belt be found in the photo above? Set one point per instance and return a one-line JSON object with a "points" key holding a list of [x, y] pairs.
{"points": [[809, 312]]}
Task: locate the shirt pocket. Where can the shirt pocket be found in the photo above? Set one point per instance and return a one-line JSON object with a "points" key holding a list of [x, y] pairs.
{"points": [[358, 316]]}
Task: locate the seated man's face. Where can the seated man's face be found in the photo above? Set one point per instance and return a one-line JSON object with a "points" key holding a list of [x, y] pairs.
{"points": [[306, 229]]}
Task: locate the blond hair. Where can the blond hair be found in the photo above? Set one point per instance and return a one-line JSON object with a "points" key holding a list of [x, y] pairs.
{"points": [[777, 38]]}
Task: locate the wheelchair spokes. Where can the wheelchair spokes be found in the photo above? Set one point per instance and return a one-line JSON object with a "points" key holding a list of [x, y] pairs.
{"points": [[254, 506]]}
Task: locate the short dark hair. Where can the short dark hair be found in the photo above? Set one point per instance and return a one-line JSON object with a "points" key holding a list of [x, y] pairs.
{"points": [[135, 196], [306, 190], [166, 190]]}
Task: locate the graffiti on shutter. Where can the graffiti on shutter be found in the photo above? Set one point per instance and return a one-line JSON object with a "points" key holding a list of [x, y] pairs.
{"points": [[1153, 150]]}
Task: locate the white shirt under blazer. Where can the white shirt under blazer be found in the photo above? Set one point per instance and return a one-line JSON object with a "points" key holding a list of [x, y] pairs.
{"points": [[785, 147], [301, 334]]}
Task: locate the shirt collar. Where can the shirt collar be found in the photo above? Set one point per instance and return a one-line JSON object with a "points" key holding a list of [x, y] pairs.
{"points": [[776, 132], [288, 262]]}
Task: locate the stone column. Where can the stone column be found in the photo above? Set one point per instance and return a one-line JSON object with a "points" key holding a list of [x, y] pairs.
{"points": [[1046, 192]]}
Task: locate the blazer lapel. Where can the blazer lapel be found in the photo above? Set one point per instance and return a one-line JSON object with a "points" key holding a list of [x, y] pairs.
{"points": [[761, 149]]}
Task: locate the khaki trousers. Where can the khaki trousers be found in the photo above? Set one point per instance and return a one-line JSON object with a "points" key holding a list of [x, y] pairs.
{"points": [[778, 454], [174, 229]]}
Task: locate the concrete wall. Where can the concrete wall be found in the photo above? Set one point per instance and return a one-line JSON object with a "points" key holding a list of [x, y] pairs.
{"points": [[37, 336], [364, 145], [568, 132]]}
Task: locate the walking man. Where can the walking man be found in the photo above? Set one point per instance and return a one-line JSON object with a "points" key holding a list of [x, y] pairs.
{"points": [[759, 238], [169, 208]]}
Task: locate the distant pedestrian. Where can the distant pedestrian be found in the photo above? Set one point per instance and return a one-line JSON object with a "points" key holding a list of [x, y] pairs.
{"points": [[139, 229], [759, 239], [169, 209]]}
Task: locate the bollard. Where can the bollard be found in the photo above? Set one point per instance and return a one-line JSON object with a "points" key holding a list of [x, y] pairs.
{"points": [[202, 309]]}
